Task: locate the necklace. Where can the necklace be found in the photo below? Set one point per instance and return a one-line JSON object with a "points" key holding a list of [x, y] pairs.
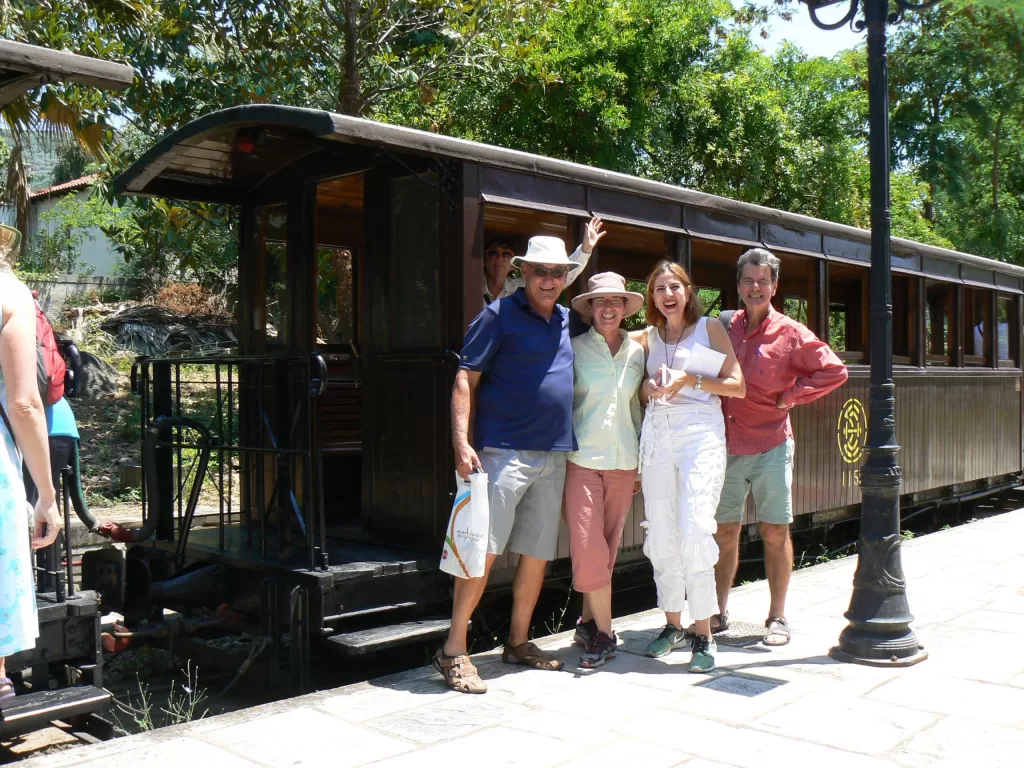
{"points": [[670, 359]]}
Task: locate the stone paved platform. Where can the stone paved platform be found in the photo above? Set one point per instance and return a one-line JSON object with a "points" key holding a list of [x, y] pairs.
{"points": [[790, 706]]}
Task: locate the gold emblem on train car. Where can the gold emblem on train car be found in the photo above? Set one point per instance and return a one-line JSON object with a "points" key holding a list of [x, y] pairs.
{"points": [[852, 431]]}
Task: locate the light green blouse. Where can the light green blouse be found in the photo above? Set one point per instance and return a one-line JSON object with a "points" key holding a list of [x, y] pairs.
{"points": [[606, 413]]}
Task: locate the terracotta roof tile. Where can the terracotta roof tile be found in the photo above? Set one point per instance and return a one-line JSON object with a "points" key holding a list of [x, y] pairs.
{"points": [[62, 189]]}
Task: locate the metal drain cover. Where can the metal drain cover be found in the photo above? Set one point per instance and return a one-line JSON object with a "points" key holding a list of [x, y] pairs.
{"points": [[741, 633]]}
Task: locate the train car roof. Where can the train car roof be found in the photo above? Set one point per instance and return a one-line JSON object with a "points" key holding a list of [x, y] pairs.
{"points": [[24, 67], [199, 162]]}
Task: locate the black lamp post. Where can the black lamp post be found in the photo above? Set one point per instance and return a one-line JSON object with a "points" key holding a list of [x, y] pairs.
{"points": [[879, 631]]}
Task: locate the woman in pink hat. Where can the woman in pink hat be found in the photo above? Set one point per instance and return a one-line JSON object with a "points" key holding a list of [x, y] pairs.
{"points": [[600, 477]]}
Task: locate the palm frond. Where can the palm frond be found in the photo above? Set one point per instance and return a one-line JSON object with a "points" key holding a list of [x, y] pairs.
{"points": [[18, 116], [60, 120]]}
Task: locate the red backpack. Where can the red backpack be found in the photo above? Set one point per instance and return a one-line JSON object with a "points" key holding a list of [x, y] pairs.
{"points": [[50, 367]]}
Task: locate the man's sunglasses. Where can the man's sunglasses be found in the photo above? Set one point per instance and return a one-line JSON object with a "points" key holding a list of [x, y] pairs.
{"points": [[555, 272], [493, 254]]}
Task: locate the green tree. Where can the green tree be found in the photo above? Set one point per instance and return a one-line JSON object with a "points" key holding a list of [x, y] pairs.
{"points": [[72, 162], [958, 119], [392, 45]]}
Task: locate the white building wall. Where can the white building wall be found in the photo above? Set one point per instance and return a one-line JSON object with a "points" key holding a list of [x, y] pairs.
{"points": [[98, 256]]}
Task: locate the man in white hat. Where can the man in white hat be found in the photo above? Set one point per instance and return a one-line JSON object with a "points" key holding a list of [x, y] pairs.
{"points": [[498, 265], [515, 387]]}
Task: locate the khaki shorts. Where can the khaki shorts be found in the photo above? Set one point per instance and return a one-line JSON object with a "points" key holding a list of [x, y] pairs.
{"points": [[525, 499], [769, 476]]}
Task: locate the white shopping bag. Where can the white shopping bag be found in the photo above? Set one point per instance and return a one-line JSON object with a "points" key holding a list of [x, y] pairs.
{"points": [[465, 540]]}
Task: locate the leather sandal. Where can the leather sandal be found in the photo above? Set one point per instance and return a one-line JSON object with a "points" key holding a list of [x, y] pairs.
{"points": [[777, 632], [532, 656], [723, 625], [459, 673]]}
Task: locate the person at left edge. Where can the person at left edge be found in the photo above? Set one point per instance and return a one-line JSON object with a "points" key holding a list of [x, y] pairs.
{"points": [[498, 256], [512, 402], [63, 434]]}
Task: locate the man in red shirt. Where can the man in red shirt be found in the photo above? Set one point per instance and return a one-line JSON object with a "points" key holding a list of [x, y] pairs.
{"points": [[784, 365]]}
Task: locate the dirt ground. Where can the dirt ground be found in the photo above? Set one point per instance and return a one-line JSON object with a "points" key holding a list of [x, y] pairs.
{"points": [[109, 428]]}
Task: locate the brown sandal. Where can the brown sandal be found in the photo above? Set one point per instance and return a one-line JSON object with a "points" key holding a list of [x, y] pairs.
{"points": [[530, 655], [459, 673]]}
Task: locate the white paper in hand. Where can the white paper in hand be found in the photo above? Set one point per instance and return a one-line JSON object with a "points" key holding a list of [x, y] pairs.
{"points": [[705, 361]]}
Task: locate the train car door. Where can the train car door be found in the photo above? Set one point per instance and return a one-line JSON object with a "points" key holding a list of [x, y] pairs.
{"points": [[339, 258], [408, 371]]}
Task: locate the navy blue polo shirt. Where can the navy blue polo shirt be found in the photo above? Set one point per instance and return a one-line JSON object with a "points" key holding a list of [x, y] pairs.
{"points": [[524, 399]]}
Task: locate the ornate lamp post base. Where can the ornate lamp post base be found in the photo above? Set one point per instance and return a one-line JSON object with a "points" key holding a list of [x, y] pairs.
{"points": [[872, 643], [879, 633]]}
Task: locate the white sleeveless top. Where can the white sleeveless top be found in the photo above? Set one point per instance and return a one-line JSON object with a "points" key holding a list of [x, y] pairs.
{"points": [[658, 354]]}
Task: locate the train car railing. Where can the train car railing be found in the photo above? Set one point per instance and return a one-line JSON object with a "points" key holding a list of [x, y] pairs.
{"points": [[232, 441]]}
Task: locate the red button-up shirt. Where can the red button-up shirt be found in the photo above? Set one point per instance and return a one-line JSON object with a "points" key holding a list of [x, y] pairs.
{"points": [[780, 357]]}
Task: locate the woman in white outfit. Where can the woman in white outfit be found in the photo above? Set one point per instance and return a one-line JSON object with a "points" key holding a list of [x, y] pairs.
{"points": [[682, 457], [23, 411]]}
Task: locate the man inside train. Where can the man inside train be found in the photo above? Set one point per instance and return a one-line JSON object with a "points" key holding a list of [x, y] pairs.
{"points": [[499, 281], [784, 365], [512, 402]]}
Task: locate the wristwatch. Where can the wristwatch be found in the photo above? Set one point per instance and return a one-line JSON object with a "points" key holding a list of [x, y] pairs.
{"points": [[700, 379]]}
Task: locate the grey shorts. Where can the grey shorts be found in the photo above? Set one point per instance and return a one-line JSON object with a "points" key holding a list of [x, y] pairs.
{"points": [[525, 500], [769, 476]]}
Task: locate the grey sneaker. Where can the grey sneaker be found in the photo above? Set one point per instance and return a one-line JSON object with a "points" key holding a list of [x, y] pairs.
{"points": [[586, 632], [669, 639], [703, 658], [604, 648]]}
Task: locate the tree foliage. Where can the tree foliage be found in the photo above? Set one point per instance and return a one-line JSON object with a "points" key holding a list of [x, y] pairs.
{"points": [[958, 120], [675, 91]]}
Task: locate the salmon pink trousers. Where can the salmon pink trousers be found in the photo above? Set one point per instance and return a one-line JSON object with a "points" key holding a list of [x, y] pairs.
{"points": [[595, 509]]}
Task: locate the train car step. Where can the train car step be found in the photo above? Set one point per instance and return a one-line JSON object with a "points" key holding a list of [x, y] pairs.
{"points": [[374, 639], [30, 711]]}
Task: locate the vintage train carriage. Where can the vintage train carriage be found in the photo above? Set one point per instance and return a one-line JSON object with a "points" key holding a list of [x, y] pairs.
{"points": [[360, 267]]}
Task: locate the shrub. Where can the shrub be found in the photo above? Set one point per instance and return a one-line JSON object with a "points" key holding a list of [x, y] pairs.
{"points": [[187, 299]]}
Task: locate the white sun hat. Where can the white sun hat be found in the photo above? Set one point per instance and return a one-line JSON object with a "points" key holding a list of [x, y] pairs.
{"points": [[544, 249]]}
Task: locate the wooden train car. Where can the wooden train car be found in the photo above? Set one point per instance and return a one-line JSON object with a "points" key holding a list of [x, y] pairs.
{"points": [[360, 268]]}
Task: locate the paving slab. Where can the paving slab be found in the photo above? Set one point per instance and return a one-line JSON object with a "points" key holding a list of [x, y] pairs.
{"points": [[792, 705], [304, 738], [961, 741]]}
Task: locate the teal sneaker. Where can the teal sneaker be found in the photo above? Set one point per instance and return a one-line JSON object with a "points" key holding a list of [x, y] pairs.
{"points": [[669, 639], [703, 658]]}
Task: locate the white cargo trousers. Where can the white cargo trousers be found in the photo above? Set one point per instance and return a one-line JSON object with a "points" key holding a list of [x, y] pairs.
{"points": [[682, 466]]}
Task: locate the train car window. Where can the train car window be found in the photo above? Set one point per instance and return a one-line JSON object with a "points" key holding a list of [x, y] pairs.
{"points": [[795, 288], [339, 234], [904, 319], [638, 321], [1006, 331], [713, 268], [518, 225], [796, 308], [940, 305], [272, 251], [977, 327], [631, 251], [712, 299], [415, 253], [847, 286]]}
